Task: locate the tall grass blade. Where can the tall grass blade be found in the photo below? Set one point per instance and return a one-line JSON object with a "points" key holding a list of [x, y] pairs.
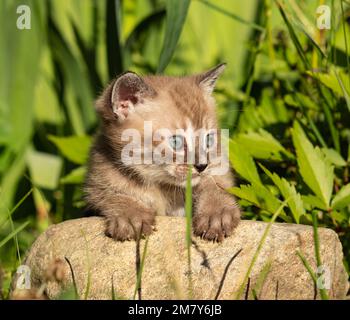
{"points": [[260, 245], [293, 35], [114, 47], [232, 15], [346, 38], [140, 268], [76, 294], [323, 292], [188, 213], [13, 233], [176, 13], [18, 204]]}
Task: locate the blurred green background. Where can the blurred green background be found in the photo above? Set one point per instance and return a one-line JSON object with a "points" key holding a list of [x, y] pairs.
{"points": [[285, 96]]}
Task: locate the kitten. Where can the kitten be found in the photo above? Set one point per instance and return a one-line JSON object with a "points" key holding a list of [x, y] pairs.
{"points": [[131, 195]]}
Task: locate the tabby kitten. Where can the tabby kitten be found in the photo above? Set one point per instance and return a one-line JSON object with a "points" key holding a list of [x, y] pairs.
{"points": [[131, 195]]}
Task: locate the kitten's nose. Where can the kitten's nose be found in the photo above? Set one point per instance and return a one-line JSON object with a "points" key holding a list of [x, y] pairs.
{"points": [[200, 167]]}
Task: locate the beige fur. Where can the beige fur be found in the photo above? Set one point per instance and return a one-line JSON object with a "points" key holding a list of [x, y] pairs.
{"points": [[130, 196]]}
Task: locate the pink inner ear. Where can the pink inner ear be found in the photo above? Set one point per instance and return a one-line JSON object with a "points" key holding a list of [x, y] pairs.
{"points": [[127, 93]]}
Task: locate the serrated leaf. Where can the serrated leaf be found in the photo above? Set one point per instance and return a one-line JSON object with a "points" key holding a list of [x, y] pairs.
{"points": [[342, 198], [44, 169], [339, 216], [258, 195], [288, 192], [300, 100], [76, 176], [311, 201], [74, 148], [315, 170], [334, 157], [262, 145], [338, 82], [243, 163]]}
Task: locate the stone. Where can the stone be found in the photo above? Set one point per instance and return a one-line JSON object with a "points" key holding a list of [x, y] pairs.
{"points": [[102, 266]]}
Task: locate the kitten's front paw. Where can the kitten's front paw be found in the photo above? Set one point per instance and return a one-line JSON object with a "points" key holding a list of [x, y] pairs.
{"points": [[215, 226], [130, 227]]}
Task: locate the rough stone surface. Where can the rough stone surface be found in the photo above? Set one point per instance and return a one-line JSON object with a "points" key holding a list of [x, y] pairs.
{"points": [[165, 274]]}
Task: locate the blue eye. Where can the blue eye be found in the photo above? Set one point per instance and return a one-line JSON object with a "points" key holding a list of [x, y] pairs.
{"points": [[176, 142], [209, 140]]}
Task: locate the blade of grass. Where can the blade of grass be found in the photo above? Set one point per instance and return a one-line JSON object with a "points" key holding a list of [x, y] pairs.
{"points": [[13, 233], [232, 15], [88, 281], [271, 49], [312, 124], [140, 269], [78, 95], [188, 212], [17, 205], [114, 297], [345, 92], [323, 292], [73, 279], [307, 266], [260, 245], [176, 13], [153, 19], [89, 56], [345, 38], [15, 239], [114, 47], [261, 279], [293, 35]]}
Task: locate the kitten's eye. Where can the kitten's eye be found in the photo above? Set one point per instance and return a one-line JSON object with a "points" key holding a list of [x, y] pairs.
{"points": [[176, 142], [209, 140]]}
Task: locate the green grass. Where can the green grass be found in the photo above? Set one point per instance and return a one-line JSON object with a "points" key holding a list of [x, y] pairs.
{"points": [[188, 215], [240, 292]]}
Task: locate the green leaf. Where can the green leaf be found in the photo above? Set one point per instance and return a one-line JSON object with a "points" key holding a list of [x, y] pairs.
{"points": [[300, 100], [339, 216], [243, 163], [176, 13], [337, 81], [74, 148], [334, 157], [311, 201], [44, 168], [342, 198], [76, 176], [263, 145], [258, 195], [314, 168], [288, 192]]}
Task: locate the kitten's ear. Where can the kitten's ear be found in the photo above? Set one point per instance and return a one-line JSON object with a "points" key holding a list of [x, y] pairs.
{"points": [[123, 95], [208, 79]]}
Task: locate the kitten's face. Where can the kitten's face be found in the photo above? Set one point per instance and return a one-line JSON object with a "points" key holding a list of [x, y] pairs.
{"points": [[163, 126]]}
